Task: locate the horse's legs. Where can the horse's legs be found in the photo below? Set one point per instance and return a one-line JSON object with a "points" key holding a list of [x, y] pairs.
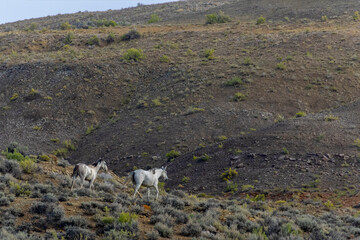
{"points": [[157, 191], [92, 184], [82, 181], [73, 182], [148, 193], [136, 190]]}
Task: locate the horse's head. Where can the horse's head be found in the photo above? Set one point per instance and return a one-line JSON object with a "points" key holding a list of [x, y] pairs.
{"points": [[164, 173], [102, 164]]}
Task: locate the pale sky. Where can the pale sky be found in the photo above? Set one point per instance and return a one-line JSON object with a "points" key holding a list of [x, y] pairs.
{"points": [[15, 10]]}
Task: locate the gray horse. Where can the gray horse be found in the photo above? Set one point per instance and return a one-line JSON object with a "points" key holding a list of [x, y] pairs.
{"points": [[86, 172], [148, 179]]}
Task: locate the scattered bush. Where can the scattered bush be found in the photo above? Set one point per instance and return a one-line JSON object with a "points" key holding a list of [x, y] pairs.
{"points": [[281, 66], [66, 26], [162, 218], [185, 179], [133, 54], [14, 97], [172, 154], [79, 233], [102, 23], [20, 189], [69, 145], [154, 18], [217, 18], [69, 38], [153, 235], [126, 217], [209, 54], [94, 40], [39, 208], [173, 202], [164, 59], [110, 38], [33, 26], [191, 229], [248, 61], [307, 223], [260, 20], [356, 16], [228, 174], [235, 81], [10, 166], [203, 157], [239, 97], [246, 188], [300, 114], [131, 35], [28, 165], [163, 230], [231, 187], [330, 118]]}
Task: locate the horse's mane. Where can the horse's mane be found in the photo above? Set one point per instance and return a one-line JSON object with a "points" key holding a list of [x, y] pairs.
{"points": [[97, 162]]}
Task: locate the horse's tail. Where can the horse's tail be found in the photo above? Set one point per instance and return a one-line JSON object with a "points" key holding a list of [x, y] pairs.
{"points": [[75, 171], [131, 175]]}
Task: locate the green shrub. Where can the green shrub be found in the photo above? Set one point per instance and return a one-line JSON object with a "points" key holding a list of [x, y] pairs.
{"points": [[154, 18], [324, 18], [163, 230], [93, 40], [172, 154], [28, 165], [203, 157], [330, 118], [260, 20], [126, 217], [66, 26], [246, 188], [14, 97], [108, 220], [281, 66], [229, 174], [69, 145], [164, 59], [60, 152], [357, 142], [231, 187], [285, 151], [91, 129], [44, 157], [185, 179], [209, 54], [16, 155], [104, 22], [356, 16], [217, 18], [248, 61], [69, 38], [300, 114], [133, 54], [131, 35], [19, 190], [110, 38], [222, 138], [33, 26], [235, 81], [239, 97]]}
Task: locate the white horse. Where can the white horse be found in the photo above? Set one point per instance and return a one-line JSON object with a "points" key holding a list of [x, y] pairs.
{"points": [[86, 172], [148, 179]]}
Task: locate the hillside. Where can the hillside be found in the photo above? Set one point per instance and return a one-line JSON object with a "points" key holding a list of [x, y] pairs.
{"points": [[255, 118]]}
